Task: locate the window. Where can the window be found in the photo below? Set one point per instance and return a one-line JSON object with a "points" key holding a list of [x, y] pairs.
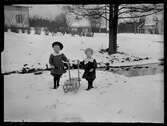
{"points": [[19, 18]]}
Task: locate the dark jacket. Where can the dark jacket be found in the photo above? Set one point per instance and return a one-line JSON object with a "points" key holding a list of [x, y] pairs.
{"points": [[57, 62], [87, 66]]}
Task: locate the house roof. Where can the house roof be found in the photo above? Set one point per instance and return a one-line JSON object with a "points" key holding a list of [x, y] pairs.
{"points": [[81, 23]]}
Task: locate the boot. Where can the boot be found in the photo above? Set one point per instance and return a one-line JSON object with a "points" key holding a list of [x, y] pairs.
{"points": [[58, 83], [55, 84], [89, 87]]}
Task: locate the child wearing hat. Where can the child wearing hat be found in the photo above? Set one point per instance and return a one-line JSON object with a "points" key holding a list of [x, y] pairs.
{"points": [[89, 64], [57, 62]]}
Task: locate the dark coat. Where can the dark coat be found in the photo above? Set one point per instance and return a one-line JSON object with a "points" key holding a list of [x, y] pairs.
{"points": [[57, 62], [89, 76]]}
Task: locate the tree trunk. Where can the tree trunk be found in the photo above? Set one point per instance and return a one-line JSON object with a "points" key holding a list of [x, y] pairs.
{"points": [[113, 23], [110, 49], [115, 26]]}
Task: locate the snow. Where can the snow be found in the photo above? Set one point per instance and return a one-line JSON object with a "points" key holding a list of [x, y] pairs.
{"points": [[34, 50], [115, 98], [142, 45]]}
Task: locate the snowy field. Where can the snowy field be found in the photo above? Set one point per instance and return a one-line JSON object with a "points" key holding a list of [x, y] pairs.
{"points": [[115, 98], [34, 50]]}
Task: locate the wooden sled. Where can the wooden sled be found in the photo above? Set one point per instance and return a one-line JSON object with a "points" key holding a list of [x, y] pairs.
{"points": [[72, 84]]}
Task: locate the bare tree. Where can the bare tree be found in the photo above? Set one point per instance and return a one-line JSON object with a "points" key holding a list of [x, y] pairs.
{"points": [[116, 12]]}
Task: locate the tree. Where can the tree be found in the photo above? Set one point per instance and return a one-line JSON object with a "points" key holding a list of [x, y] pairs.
{"points": [[58, 24], [61, 22], [116, 12]]}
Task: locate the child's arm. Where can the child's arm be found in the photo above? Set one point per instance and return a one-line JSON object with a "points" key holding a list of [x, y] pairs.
{"points": [[64, 58], [95, 64], [51, 61], [65, 61]]}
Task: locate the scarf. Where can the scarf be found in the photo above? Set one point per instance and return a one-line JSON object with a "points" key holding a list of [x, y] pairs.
{"points": [[86, 60]]}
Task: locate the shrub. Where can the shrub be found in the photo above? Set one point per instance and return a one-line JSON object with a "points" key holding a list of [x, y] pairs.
{"points": [[14, 29], [38, 30]]}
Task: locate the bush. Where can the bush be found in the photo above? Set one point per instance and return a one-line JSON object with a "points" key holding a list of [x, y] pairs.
{"points": [[46, 32], [38, 30], [89, 34], [29, 31], [14, 29], [23, 30]]}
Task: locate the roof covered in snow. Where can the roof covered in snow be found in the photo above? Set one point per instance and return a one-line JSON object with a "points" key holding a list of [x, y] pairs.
{"points": [[81, 23]]}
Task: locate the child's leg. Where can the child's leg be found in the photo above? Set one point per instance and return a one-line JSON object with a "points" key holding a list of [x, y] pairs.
{"points": [[90, 84], [58, 79], [55, 82]]}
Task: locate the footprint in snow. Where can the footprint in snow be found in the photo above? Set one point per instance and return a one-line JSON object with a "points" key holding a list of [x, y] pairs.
{"points": [[27, 97], [133, 116], [51, 106], [109, 83], [120, 111], [102, 92]]}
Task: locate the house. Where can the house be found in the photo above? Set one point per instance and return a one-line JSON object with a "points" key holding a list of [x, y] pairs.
{"points": [[80, 26], [16, 16], [153, 24]]}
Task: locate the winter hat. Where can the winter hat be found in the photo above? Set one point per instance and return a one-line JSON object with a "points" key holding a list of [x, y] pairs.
{"points": [[88, 49], [57, 43]]}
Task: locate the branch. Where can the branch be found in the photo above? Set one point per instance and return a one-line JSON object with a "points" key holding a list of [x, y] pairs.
{"points": [[138, 9], [102, 8], [122, 8], [135, 11], [105, 18], [141, 15], [94, 14]]}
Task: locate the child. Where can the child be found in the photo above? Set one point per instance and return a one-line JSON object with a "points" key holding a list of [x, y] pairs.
{"points": [[89, 65], [57, 62]]}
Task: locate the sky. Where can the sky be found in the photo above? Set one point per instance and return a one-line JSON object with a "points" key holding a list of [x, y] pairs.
{"points": [[45, 11], [51, 11]]}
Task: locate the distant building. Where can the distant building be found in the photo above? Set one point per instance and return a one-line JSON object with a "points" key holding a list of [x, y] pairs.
{"points": [[153, 24], [17, 16], [81, 26], [77, 22], [78, 25]]}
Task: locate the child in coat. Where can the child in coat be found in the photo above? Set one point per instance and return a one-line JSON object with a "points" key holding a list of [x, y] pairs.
{"points": [[57, 62], [89, 64]]}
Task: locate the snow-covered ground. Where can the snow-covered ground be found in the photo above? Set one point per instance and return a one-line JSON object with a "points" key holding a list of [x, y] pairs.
{"points": [[34, 50], [29, 97], [115, 98]]}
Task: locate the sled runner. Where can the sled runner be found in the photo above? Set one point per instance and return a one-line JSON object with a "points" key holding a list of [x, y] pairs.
{"points": [[73, 84]]}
